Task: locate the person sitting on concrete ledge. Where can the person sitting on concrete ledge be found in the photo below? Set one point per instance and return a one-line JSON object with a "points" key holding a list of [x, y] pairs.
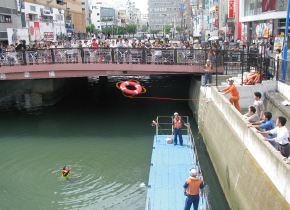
{"points": [[252, 116], [267, 124], [282, 144]]}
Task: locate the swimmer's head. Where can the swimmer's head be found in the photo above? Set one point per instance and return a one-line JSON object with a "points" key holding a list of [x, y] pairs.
{"points": [[64, 168]]}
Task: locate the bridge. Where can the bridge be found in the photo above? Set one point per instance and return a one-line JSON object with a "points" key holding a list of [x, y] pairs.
{"points": [[86, 62]]}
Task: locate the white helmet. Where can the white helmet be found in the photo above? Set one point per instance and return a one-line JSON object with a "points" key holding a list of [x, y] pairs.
{"points": [[176, 113], [193, 172]]}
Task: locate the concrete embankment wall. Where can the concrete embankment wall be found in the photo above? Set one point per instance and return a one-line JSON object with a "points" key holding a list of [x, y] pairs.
{"points": [[251, 173], [40, 91]]}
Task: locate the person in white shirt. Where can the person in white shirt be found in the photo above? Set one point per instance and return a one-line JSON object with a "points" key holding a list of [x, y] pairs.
{"points": [[86, 52], [148, 37], [167, 36], [113, 44], [282, 144], [75, 51], [59, 53], [121, 51]]}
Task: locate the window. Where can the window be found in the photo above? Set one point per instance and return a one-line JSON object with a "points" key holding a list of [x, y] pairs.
{"points": [[5, 19]]}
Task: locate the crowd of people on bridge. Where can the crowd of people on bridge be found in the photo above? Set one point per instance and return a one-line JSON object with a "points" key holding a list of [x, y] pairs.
{"points": [[192, 51]]}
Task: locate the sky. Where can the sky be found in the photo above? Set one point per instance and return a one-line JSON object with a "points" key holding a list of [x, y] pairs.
{"points": [[141, 4]]}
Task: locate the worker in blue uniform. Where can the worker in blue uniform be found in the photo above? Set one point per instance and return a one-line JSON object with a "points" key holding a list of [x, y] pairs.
{"points": [[192, 184], [176, 128]]}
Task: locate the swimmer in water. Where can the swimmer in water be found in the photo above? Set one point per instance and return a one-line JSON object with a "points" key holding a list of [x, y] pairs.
{"points": [[66, 172]]}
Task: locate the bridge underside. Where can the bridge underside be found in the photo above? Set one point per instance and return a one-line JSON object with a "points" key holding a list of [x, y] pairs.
{"points": [[86, 70]]}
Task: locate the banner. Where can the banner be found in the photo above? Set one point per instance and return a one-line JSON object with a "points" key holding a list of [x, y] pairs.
{"points": [[40, 30], [243, 32], [231, 8], [216, 16], [268, 5], [279, 40], [261, 30], [270, 27]]}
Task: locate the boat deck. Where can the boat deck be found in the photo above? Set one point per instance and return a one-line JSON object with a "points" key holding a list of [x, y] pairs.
{"points": [[169, 170]]}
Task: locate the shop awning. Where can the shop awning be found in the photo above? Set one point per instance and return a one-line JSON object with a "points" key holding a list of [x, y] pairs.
{"points": [[230, 32]]}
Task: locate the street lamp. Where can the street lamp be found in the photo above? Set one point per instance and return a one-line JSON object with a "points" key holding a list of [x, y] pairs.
{"points": [[68, 19], [90, 14], [164, 24], [59, 10]]}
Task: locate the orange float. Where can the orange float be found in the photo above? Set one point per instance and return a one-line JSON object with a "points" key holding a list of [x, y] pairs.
{"points": [[138, 88]]}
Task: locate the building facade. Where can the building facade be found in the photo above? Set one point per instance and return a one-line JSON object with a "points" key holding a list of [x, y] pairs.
{"points": [[75, 12], [10, 17], [163, 12], [262, 19], [102, 17]]}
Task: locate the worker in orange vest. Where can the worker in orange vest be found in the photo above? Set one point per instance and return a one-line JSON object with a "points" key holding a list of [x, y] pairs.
{"points": [[192, 184], [235, 94], [176, 128]]}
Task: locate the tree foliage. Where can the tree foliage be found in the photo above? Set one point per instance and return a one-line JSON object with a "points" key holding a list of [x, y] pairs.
{"points": [[178, 28], [131, 29], [144, 29], [88, 28], [167, 28]]}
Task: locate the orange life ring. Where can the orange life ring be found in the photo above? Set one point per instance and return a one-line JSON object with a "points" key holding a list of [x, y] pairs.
{"points": [[124, 88]]}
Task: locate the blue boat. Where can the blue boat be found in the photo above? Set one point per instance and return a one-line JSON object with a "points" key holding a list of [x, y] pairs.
{"points": [[170, 166]]}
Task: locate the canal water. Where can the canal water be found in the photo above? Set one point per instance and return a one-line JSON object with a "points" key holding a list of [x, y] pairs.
{"points": [[106, 138]]}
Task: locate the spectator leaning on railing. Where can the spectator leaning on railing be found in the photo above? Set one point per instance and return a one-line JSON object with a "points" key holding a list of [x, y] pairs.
{"points": [[282, 144], [251, 116], [267, 124]]}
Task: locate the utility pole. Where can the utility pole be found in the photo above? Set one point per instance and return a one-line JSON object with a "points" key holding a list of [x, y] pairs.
{"points": [[285, 47]]}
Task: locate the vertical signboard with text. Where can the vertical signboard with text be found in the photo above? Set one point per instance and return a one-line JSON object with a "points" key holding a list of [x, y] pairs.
{"points": [[216, 17], [231, 8]]}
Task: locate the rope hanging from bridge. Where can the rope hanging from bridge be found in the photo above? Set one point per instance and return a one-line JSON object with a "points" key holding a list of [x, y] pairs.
{"points": [[133, 95]]}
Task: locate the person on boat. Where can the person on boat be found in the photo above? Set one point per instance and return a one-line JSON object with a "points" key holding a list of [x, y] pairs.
{"points": [[176, 128], [66, 172], [235, 94], [192, 185]]}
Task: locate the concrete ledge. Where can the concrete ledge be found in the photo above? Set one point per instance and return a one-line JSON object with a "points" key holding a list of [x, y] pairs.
{"points": [[251, 172], [247, 92], [284, 90]]}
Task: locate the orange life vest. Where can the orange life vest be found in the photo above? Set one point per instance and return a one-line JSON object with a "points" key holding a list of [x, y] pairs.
{"points": [[193, 185], [177, 123]]}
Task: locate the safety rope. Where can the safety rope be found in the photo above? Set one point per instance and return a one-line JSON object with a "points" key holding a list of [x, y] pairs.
{"points": [[159, 98]]}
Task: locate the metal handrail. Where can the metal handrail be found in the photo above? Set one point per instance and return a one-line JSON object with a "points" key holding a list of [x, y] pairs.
{"points": [[148, 205], [193, 148]]}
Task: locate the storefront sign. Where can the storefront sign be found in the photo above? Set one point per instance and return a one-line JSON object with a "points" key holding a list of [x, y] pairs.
{"points": [[231, 8], [268, 5]]}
